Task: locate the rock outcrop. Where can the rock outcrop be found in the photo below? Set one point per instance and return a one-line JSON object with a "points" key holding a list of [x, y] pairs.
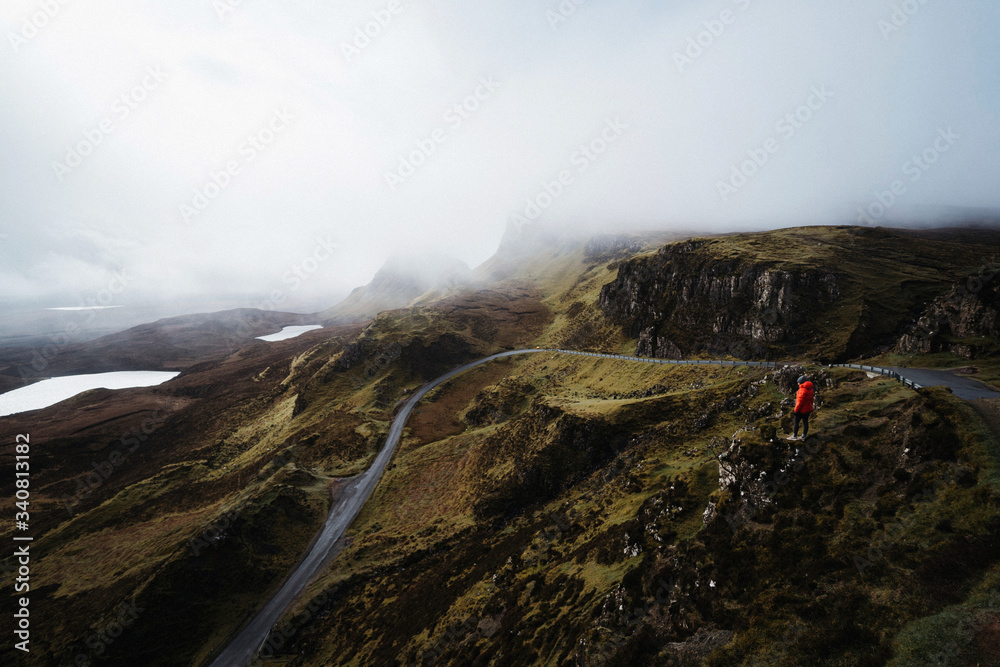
{"points": [[683, 301], [605, 247], [965, 321]]}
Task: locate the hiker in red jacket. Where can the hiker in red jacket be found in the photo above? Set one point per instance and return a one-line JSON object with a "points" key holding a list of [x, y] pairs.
{"points": [[803, 408]]}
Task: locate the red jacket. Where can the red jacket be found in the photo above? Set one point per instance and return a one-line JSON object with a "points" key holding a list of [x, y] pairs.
{"points": [[804, 398]]}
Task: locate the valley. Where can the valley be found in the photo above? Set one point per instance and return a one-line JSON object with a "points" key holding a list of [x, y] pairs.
{"points": [[546, 508]]}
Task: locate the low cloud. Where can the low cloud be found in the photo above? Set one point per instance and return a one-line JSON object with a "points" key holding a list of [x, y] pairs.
{"points": [[725, 130]]}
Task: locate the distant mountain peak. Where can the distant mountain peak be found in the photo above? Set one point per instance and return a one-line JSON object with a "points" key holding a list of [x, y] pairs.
{"points": [[403, 279]]}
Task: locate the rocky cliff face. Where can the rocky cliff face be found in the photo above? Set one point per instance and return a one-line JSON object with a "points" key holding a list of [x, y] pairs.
{"points": [[683, 301], [605, 247], [965, 321]]}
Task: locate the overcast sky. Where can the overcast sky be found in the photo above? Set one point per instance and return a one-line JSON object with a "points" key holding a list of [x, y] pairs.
{"points": [[204, 148]]}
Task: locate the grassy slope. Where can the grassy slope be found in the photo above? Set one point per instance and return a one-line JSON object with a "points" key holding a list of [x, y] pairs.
{"points": [[426, 575], [240, 459], [220, 463], [433, 572]]}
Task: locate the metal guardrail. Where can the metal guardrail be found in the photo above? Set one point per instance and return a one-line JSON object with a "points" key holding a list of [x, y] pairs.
{"points": [[888, 372], [727, 362], [673, 362]]}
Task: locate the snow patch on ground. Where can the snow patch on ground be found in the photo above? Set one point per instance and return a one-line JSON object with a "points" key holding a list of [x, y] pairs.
{"points": [[54, 390], [289, 332]]}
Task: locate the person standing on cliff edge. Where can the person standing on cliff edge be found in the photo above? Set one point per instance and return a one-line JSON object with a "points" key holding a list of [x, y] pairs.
{"points": [[803, 408]]}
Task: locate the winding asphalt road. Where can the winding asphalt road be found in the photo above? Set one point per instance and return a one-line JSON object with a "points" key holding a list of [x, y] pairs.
{"points": [[245, 646], [243, 649]]}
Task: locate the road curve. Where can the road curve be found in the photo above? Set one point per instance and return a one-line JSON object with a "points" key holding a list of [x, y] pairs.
{"points": [[966, 388], [245, 646], [242, 650]]}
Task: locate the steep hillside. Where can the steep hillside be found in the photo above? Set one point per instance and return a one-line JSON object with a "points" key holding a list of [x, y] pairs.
{"points": [[568, 272], [134, 494], [398, 284], [833, 293], [191, 501], [589, 512]]}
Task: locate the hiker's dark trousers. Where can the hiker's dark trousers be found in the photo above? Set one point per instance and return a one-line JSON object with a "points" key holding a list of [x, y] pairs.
{"points": [[804, 418]]}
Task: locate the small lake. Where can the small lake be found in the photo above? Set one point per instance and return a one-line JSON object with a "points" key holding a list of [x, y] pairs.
{"points": [[289, 332], [55, 390]]}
